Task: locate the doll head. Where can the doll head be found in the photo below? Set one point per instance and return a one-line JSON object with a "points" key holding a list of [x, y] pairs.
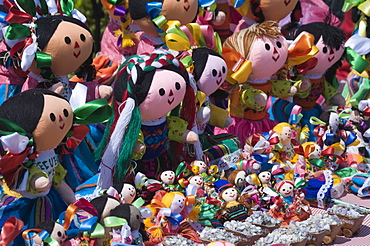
{"points": [[263, 45], [127, 192], [196, 180], [104, 204], [229, 194], [285, 188], [330, 42], [145, 13], [41, 113], [198, 167], [237, 178], [175, 201], [168, 177], [311, 150], [331, 118], [209, 69], [265, 177], [56, 230], [285, 132], [130, 213], [263, 10]]}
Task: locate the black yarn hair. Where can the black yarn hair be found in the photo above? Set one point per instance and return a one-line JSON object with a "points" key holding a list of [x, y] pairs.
{"points": [[45, 29], [200, 57], [143, 82], [25, 109], [47, 225], [326, 116], [119, 186], [257, 12], [100, 202]]}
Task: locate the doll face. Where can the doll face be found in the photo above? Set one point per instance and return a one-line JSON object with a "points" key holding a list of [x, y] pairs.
{"points": [[184, 11], [286, 135], [286, 190], [58, 233], [240, 178], [135, 218], [326, 57], [56, 120], [128, 193], [202, 166], [166, 92], [178, 204], [70, 46], [213, 76], [334, 121], [316, 153], [277, 9], [230, 194], [267, 56], [197, 181], [265, 177], [168, 177]]}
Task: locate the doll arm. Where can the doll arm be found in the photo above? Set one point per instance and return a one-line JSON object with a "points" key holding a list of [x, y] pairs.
{"points": [[38, 181], [332, 96], [219, 117], [66, 192], [252, 98], [140, 148], [177, 130]]}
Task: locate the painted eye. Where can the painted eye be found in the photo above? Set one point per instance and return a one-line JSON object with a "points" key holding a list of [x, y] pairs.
{"points": [[137, 217], [52, 117], [337, 48], [267, 46], [214, 72], [162, 91], [165, 174], [278, 44], [67, 40], [177, 86], [59, 234], [325, 50], [223, 69], [65, 112], [283, 189], [226, 193], [179, 200], [82, 37]]}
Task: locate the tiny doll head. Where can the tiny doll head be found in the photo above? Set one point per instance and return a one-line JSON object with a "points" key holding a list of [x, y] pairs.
{"points": [[285, 188], [229, 194], [331, 118], [237, 178], [196, 180], [168, 177], [130, 213], [41, 113], [265, 177], [311, 150], [285, 132], [209, 69], [175, 201], [263, 45], [127, 192], [329, 40], [256, 143], [56, 231], [198, 167], [104, 204]]}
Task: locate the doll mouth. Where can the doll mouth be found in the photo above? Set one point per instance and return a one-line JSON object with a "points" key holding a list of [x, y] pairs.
{"points": [[62, 126], [77, 54], [218, 82], [186, 7], [276, 58], [132, 195], [170, 101], [181, 206], [331, 58], [199, 183], [286, 2], [170, 178], [232, 195]]}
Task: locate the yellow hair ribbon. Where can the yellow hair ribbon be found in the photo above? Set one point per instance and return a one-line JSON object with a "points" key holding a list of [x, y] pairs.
{"points": [[239, 68]]}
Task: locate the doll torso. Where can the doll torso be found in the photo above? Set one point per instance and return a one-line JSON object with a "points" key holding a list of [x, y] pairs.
{"points": [[308, 103], [155, 137]]}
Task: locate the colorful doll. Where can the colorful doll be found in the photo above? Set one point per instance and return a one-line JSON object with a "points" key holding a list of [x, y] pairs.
{"points": [[260, 44], [198, 167], [329, 40], [124, 192], [147, 88], [237, 178], [311, 159]]}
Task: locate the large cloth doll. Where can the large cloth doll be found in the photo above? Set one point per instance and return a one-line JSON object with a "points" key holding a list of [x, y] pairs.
{"points": [[329, 40], [259, 51], [147, 88]]}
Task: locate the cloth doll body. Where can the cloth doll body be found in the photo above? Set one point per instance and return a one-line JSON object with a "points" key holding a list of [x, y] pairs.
{"points": [[331, 50], [248, 98]]}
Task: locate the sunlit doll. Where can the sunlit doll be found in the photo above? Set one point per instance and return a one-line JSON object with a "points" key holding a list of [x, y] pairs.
{"points": [[330, 42], [199, 167], [263, 45], [310, 159], [197, 181], [289, 204], [124, 192], [144, 99]]}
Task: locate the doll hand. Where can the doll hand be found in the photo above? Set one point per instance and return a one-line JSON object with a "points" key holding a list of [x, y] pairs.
{"points": [[57, 88], [260, 99], [105, 69], [228, 122], [203, 114], [293, 90], [337, 100], [40, 183], [220, 19], [190, 137], [304, 86], [139, 147], [256, 166], [105, 91]]}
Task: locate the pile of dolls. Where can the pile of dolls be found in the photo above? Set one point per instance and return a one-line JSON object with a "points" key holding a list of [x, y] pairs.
{"points": [[198, 123]]}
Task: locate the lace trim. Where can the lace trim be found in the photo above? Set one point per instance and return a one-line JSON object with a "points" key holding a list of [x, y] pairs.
{"points": [[227, 161], [154, 122], [324, 189]]}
